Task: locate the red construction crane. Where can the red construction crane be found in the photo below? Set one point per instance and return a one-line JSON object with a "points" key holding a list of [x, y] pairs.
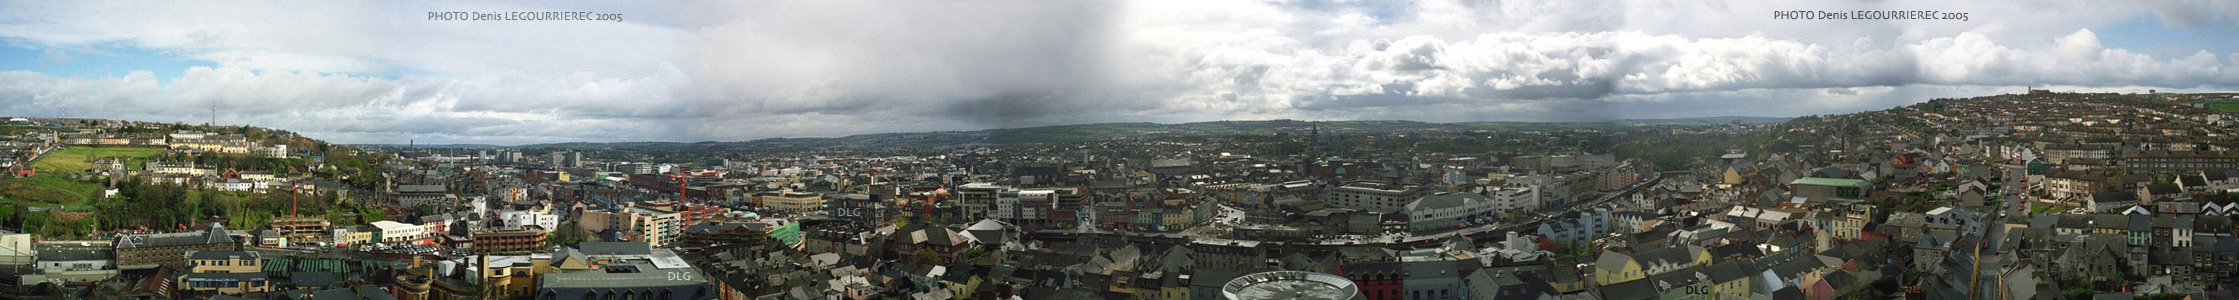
{"points": [[294, 190], [680, 176]]}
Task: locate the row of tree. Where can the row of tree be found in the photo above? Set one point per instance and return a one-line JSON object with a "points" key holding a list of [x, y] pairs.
{"points": [[143, 205]]}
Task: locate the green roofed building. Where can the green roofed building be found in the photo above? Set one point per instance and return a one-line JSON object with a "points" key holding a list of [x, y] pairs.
{"points": [[790, 234]]}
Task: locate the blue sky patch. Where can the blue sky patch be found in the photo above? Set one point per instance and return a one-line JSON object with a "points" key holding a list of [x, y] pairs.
{"points": [[101, 61]]}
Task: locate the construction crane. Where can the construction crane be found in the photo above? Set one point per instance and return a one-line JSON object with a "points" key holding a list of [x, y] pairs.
{"points": [[613, 218], [294, 190], [680, 186]]}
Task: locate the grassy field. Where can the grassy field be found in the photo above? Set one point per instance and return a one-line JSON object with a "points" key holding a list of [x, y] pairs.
{"points": [[78, 158], [2225, 106], [49, 189]]}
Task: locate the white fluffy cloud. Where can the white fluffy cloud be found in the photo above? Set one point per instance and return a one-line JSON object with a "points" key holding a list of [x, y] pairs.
{"points": [[687, 71]]}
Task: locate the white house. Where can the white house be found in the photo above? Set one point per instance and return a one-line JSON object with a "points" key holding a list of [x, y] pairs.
{"points": [[1446, 211], [515, 219], [395, 232], [1514, 200]]}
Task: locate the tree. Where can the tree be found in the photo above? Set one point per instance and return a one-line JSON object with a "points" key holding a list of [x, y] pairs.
{"points": [[557, 239], [373, 214], [927, 256], [2077, 293]]}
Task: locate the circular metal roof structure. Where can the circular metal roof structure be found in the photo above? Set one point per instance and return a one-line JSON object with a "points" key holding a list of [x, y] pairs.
{"points": [[1290, 285]]}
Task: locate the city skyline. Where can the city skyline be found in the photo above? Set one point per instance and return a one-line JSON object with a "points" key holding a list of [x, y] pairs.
{"points": [[682, 72]]}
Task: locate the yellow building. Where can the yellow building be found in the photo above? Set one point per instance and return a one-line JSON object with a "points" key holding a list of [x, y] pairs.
{"points": [[501, 277], [1176, 219], [224, 272], [790, 201], [509, 276], [1177, 291], [1613, 267], [351, 236], [1730, 280], [1730, 175], [965, 288], [1613, 271]]}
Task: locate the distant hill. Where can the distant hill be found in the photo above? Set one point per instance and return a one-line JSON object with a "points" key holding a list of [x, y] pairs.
{"points": [[447, 146], [1710, 120], [1102, 131]]}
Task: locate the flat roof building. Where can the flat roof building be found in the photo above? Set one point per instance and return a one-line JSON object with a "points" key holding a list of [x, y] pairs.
{"points": [[621, 270]]}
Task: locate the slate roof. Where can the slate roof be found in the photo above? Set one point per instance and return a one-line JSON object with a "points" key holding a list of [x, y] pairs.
{"points": [[1677, 278], [986, 224], [1176, 259], [1630, 290], [420, 189], [1731, 271], [2112, 296], [2193, 180], [1907, 219], [615, 248], [1840, 280], [2164, 189], [1666, 255], [2074, 221], [2110, 221], [2117, 196], [1938, 240], [935, 236], [313, 278], [565, 255], [1446, 201], [1435, 269], [1361, 253], [1496, 285], [70, 254], [1372, 271], [222, 255], [1790, 292], [215, 235], [224, 277], [2024, 277], [2211, 223], [335, 294], [1564, 274], [1736, 250], [1612, 260]]}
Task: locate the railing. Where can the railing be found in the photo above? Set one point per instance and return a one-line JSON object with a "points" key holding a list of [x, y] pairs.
{"points": [[1345, 288]]}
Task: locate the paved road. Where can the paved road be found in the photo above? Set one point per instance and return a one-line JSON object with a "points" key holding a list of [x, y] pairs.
{"points": [[2015, 194]]}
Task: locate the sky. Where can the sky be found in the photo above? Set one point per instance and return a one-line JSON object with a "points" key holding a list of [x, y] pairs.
{"points": [[385, 72]]}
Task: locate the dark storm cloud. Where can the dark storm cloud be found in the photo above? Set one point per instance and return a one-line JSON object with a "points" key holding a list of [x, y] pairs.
{"points": [[693, 71]]}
